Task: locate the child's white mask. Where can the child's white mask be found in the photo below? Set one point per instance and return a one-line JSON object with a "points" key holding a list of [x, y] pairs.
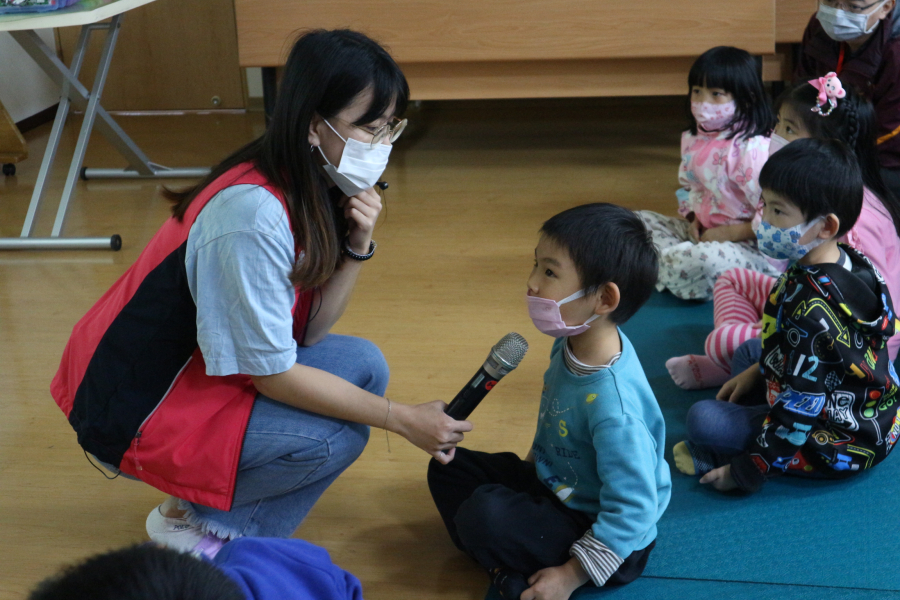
{"points": [[545, 315], [783, 243], [842, 25], [360, 167]]}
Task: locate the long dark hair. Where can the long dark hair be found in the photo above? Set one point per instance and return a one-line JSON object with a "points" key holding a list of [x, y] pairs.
{"points": [[325, 72], [852, 122], [736, 72]]}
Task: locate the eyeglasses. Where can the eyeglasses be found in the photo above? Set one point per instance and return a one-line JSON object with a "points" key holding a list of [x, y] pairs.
{"points": [[855, 9], [389, 131]]}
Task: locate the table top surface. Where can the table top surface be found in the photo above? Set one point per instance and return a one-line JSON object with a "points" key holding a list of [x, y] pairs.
{"points": [[83, 12]]}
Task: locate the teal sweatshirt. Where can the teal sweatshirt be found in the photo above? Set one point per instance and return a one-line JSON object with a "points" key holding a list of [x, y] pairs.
{"points": [[599, 446]]}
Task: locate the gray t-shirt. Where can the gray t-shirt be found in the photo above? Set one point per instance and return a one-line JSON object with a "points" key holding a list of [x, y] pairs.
{"points": [[240, 254]]}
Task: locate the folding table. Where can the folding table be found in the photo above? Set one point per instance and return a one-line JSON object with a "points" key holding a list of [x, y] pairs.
{"points": [[88, 14]]}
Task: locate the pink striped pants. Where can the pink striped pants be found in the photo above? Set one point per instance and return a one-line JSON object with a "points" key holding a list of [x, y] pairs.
{"points": [[739, 297]]}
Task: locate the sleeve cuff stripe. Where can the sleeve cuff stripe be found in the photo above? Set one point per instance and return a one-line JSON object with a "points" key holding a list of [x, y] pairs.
{"points": [[596, 559]]}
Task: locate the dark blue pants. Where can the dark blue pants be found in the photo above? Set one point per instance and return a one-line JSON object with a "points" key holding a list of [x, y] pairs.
{"points": [[498, 512]]}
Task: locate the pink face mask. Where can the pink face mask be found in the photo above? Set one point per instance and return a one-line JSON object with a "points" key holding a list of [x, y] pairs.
{"points": [[776, 143], [713, 117], [545, 314]]}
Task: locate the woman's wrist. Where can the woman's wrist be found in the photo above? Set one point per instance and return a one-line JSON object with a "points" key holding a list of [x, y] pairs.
{"points": [[358, 246], [395, 422]]}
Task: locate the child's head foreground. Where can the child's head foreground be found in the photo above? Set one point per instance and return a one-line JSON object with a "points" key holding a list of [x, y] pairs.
{"points": [[601, 249], [813, 193], [144, 572], [725, 92]]}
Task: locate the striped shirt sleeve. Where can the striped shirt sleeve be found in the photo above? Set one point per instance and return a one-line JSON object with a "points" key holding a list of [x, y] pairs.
{"points": [[598, 561]]}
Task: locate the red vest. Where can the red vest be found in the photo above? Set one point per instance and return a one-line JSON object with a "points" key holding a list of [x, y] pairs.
{"points": [[184, 435]]}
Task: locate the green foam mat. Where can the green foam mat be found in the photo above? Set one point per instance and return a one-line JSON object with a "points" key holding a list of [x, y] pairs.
{"points": [[794, 539], [653, 588]]}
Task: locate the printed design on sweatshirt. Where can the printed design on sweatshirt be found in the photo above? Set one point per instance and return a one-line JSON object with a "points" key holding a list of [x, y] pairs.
{"points": [[833, 390], [804, 308], [839, 409], [893, 433], [560, 486], [560, 458], [802, 403], [832, 437]]}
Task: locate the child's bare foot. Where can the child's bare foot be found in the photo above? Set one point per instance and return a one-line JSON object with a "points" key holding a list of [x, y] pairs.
{"points": [[683, 460], [695, 372]]}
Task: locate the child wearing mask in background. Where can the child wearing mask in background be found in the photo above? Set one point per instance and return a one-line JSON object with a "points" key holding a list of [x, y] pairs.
{"points": [[860, 41], [739, 295], [721, 155], [822, 401]]}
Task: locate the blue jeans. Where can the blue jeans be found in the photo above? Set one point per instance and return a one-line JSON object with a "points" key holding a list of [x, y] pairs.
{"points": [[290, 456], [723, 429], [745, 355]]}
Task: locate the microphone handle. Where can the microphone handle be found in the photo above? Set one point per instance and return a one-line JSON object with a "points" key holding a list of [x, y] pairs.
{"points": [[468, 398]]}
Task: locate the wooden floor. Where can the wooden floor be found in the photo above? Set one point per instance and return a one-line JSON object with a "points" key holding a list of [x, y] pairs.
{"points": [[470, 184]]}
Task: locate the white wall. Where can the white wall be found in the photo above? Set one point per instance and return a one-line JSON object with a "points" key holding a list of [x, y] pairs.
{"points": [[24, 88], [254, 82]]}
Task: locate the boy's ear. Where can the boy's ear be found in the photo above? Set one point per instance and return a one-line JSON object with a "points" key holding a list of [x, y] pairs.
{"points": [[607, 299], [831, 227], [314, 131]]}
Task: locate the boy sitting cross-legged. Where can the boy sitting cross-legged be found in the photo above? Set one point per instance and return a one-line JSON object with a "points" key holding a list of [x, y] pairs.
{"points": [[822, 401], [585, 502]]}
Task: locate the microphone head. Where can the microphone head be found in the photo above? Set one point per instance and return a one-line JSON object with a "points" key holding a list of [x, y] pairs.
{"points": [[510, 350]]}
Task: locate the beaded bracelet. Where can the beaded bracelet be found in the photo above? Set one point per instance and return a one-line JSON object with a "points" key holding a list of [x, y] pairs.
{"points": [[351, 254]]}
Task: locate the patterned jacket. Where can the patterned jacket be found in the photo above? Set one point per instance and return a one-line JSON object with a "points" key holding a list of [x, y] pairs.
{"points": [[832, 389]]}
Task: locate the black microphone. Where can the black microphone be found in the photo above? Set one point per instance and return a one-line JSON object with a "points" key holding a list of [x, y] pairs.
{"points": [[503, 358], [382, 184]]}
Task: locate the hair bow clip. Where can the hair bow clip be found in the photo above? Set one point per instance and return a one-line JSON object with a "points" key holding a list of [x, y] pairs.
{"points": [[830, 89]]}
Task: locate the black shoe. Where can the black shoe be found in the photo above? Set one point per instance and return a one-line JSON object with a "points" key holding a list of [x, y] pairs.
{"points": [[510, 584]]}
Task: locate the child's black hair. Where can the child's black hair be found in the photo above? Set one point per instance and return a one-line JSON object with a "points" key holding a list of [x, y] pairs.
{"points": [[817, 176], [738, 73], [852, 121], [142, 572], [608, 244]]}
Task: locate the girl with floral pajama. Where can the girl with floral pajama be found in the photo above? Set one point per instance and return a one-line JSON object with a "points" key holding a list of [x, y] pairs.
{"points": [[721, 156]]}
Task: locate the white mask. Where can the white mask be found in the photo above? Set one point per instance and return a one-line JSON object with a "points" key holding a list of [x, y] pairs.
{"points": [[776, 143], [842, 25], [360, 167]]}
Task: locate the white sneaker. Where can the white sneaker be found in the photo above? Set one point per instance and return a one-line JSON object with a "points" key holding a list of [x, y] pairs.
{"points": [[177, 534]]}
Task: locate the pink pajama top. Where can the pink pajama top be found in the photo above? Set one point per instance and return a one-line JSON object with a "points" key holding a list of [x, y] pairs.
{"points": [[875, 236], [720, 177]]}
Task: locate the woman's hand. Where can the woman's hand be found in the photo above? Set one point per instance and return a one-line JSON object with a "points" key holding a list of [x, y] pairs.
{"points": [[361, 212], [429, 428], [720, 479], [740, 385], [556, 583]]}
